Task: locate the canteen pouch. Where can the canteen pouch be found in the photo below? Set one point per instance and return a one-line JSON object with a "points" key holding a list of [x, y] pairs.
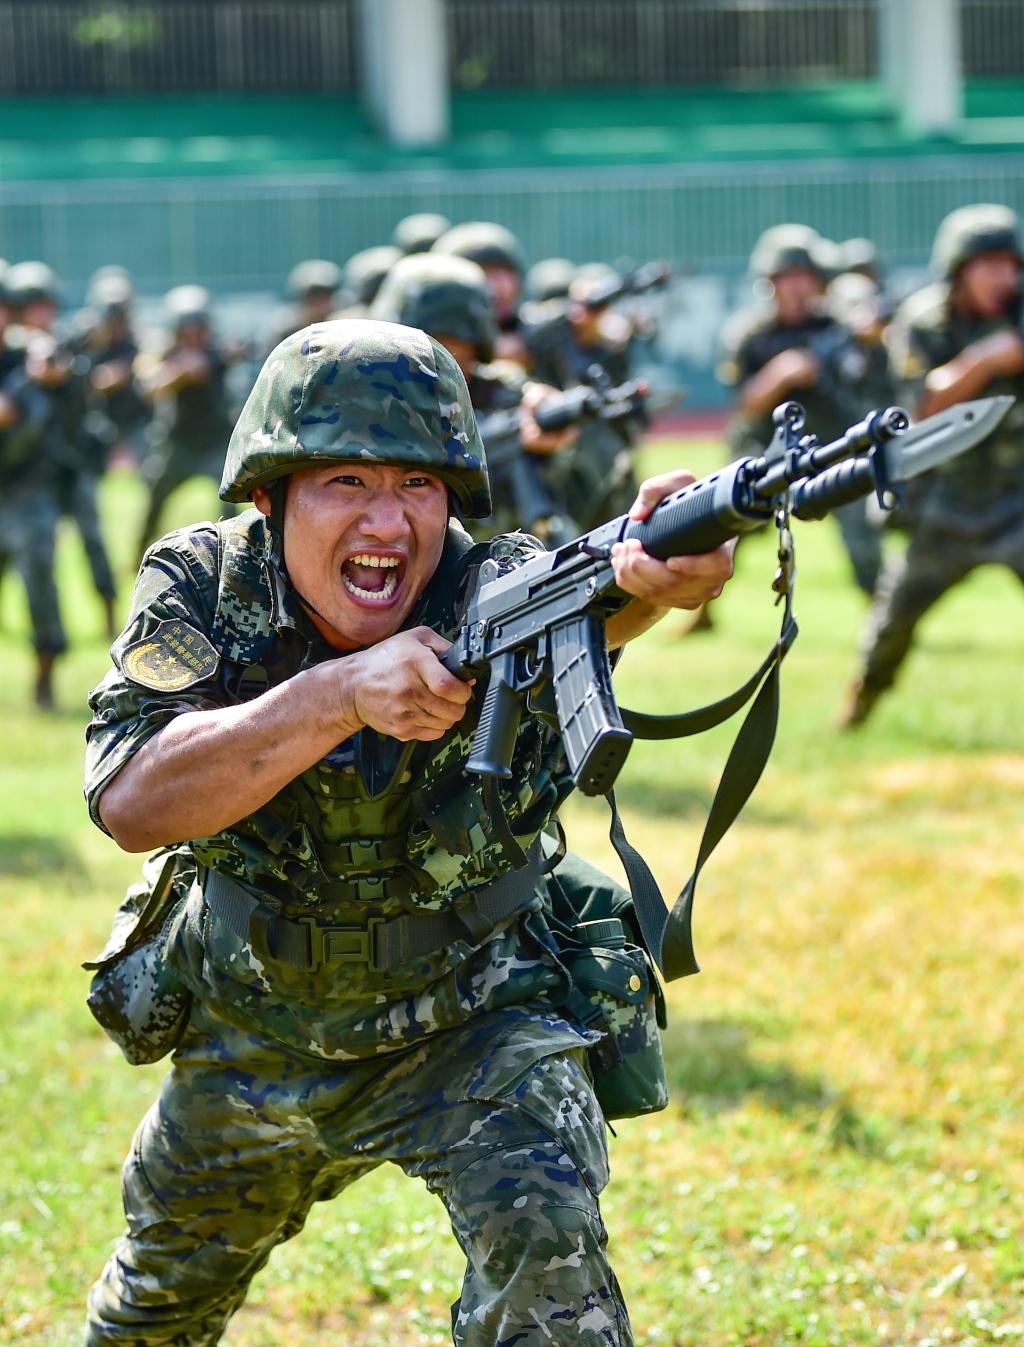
{"points": [[616, 992], [135, 993]]}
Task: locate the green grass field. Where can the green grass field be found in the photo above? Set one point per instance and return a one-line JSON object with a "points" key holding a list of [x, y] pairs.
{"points": [[842, 1161]]}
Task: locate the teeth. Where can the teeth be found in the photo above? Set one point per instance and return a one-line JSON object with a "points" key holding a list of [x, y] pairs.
{"points": [[364, 559], [374, 595]]}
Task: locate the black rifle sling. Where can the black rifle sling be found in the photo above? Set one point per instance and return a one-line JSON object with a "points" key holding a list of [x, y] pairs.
{"points": [[668, 935]]}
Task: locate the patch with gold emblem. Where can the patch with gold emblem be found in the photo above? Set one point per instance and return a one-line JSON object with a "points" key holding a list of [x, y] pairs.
{"points": [[172, 657]]}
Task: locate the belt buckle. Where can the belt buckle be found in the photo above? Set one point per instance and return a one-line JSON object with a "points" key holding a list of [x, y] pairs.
{"points": [[340, 944]]}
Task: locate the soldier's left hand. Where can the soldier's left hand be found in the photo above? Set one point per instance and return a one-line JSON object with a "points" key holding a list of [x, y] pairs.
{"points": [[534, 439], [680, 582]]}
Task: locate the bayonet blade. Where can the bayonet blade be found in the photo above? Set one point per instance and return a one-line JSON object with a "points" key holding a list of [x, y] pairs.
{"points": [[943, 436]]}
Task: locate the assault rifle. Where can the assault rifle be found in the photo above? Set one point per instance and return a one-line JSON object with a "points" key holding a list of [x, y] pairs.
{"points": [[651, 276], [516, 470], [544, 620], [536, 631]]}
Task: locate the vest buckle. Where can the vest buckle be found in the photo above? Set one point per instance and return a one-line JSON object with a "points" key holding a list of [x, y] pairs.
{"points": [[340, 944]]}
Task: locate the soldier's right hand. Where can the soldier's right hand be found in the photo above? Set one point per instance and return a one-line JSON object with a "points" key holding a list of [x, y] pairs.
{"points": [[399, 687]]}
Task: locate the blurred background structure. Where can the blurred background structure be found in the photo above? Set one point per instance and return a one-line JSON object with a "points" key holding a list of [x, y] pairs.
{"points": [[222, 142]]}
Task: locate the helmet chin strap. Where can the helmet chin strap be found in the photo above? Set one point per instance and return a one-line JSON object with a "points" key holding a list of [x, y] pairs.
{"points": [[278, 491]]}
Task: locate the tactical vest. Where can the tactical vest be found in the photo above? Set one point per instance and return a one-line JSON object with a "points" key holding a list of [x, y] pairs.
{"points": [[377, 825]]}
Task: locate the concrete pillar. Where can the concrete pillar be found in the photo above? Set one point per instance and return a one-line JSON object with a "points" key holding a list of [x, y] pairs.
{"points": [[920, 62], [405, 69]]}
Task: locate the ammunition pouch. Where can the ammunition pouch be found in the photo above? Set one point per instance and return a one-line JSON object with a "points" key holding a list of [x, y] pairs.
{"points": [[135, 993], [615, 989]]}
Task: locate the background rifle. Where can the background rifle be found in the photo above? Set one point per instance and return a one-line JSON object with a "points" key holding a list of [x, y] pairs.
{"points": [[639, 280]]}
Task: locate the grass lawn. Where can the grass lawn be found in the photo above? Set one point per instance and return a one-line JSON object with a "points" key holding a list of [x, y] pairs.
{"points": [[842, 1161]]}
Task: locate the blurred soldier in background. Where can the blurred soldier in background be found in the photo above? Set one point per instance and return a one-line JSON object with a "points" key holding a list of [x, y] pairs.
{"points": [[500, 254], [419, 233], [312, 288], [549, 278], [30, 457], [955, 340], [191, 421], [104, 333], [81, 455], [362, 276], [448, 297], [575, 341], [789, 346]]}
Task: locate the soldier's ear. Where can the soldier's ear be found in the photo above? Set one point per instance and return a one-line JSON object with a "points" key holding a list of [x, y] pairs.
{"points": [[261, 499]]}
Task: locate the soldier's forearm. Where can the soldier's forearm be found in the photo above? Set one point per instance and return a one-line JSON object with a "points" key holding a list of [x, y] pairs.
{"points": [[208, 769]]}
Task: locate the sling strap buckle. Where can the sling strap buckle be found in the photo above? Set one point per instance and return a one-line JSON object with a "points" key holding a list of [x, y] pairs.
{"points": [[341, 944]]}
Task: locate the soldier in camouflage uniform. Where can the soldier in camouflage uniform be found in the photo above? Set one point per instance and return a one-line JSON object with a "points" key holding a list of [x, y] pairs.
{"points": [[448, 298], [312, 287], [372, 978], [568, 341], [500, 254], [955, 340], [30, 456], [81, 455], [191, 421], [790, 346]]}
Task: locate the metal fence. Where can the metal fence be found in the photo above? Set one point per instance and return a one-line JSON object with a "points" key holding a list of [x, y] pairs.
{"points": [[177, 46], [557, 43], [171, 46], [240, 237]]}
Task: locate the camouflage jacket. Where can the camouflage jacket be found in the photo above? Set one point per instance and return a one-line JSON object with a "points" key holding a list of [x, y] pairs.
{"points": [[979, 492], [376, 828]]}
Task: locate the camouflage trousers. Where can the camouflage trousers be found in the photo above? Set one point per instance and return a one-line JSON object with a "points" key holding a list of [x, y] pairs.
{"points": [[246, 1136], [936, 559], [78, 498], [28, 527]]}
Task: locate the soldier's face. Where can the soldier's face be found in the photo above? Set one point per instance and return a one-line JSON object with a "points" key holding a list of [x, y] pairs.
{"points": [[988, 284], [360, 543], [795, 292], [505, 288]]}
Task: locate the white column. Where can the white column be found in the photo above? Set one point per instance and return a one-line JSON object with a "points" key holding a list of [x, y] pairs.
{"points": [[405, 65], [920, 62]]}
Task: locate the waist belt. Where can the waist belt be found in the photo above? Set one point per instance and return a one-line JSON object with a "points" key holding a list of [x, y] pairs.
{"points": [[383, 942]]}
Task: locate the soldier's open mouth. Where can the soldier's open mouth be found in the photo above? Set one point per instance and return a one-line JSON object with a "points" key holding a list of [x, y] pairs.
{"points": [[372, 578]]}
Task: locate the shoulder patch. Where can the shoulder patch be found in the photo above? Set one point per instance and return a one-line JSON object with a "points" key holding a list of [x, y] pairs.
{"points": [[173, 657]]}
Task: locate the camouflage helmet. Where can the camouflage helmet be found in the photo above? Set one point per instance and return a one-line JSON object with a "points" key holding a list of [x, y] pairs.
{"points": [[364, 271], [187, 304], [445, 296], [787, 246], [487, 244], [970, 231], [313, 274], [357, 390], [549, 279], [30, 282], [419, 233], [110, 290]]}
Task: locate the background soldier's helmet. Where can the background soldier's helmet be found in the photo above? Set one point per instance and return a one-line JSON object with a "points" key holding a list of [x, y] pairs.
{"points": [[445, 296], [30, 282], [860, 257], [487, 244], [110, 291], [312, 275], [364, 271], [187, 304], [787, 246], [549, 279], [419, 233], [355, 390], [971, 231]]}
